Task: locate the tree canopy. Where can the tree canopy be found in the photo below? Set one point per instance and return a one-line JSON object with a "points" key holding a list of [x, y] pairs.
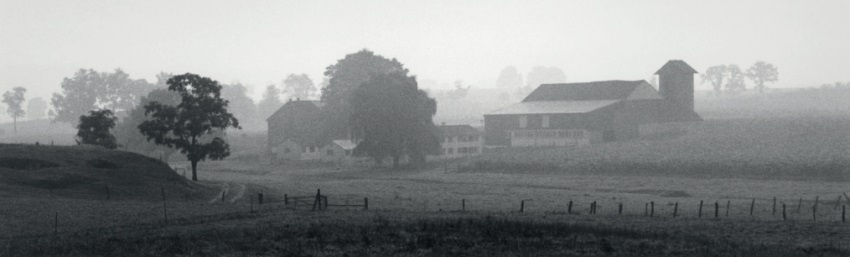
{"points": [[94, 129], [393, 117], [13, 100], [127, 132], [201, 112], [762, 72], [36, 108], [714, 75], [734, 78], [242, 106], [509, 78], [88, 90], [344, 78], [270, 102], [299, 86]]}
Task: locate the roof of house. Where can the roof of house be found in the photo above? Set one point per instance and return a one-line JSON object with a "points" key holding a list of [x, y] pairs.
{"points": [[317, 104], [457, 130], [676, 66], [553, 107], [586, 91], [345, 144]]}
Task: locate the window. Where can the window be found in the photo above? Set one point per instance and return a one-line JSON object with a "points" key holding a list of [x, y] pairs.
{"points": [[545, 122], [579, 133], [304, 149], [562, 133], [312, 149], [331, 152], [347, 152], [286, 150], [451, 150], [523, 121]]}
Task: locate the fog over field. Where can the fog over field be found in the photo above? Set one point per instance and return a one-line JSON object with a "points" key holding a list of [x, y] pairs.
{"points": [[431, 128]]}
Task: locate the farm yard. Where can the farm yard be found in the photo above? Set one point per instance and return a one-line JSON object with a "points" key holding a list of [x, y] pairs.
{"points": [[769, 186]]}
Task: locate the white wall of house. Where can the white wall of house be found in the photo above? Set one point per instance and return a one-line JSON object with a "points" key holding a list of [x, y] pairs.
{"points": [[459, 146], [550, 137]]}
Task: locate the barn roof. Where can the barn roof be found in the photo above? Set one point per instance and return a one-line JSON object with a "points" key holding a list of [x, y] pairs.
{"points": [[676, 66], [454, 130], [290, 104], [345, 144], [554, 107], [586, 91]]}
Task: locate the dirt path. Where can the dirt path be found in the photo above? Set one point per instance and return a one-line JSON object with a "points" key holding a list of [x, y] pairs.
{"points": [[231, 191]]}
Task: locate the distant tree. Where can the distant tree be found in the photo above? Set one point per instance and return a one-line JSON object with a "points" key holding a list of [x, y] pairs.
{"points": [[270, 102], [299, 86], [394, 118], [94, 129], [509, 78], [715, 75], [13, 100], [734, 78], [345, 77], [201, 112], [762, 72], [162, 79], [127, 132], [242, 106], [36, 108], [460, 91], [543, 75], [89, 90]]}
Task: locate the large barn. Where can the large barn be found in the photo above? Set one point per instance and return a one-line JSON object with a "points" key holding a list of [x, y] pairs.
{"points": [[584, 113]]}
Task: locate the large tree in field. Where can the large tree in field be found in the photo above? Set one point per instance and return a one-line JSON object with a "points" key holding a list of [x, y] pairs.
{"points": [[36, 108], [344, 78], [89, 90], [714, 75], [13, 100], [201, 112], [393, 117], [93, 129], [762, 72]]}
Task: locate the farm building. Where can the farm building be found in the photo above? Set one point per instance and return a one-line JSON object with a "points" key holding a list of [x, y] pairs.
{"points": [[294, 131], [573, 114], [460, 140]]}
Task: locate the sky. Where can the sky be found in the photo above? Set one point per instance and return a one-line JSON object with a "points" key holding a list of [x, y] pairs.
{"points": [[260, 42]]}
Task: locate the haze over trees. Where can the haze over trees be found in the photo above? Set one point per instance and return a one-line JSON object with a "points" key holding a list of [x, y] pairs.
{"points": [[543, 75], [36, 108], [201, 112], [299, 86], [127, 132], [715, 75], [762, 72], [344, 78], [88, 90], [509, 78], [241, 105], [394, 118], [735, 78], [270, 102], [13, 100], [93, 129]]}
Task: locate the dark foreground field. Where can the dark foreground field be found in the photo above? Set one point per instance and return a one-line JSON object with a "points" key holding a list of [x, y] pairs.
{"points": [[369, 233]]}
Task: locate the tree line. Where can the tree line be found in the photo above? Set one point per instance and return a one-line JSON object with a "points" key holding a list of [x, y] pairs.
{"points": [[733, 78]]}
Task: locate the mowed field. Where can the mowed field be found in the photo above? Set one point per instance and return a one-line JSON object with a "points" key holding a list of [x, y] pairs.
{"points": [[472, 206]]}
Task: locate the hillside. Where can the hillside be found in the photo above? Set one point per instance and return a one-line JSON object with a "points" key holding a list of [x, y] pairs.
{"points": [[86, 172]]}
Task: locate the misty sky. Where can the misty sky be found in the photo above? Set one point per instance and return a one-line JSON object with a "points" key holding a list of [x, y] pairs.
{"points": [[260, 42]]}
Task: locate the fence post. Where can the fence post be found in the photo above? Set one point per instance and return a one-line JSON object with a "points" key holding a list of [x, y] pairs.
{"points": [[620, 209], [752, 206], [799, 204], [700, 208], [843, 213], [366, 203], [316, 202], [570, 207], [55, 223], [716, 209], [285, 199], [222, 196], [651, 208], [260, 198], [675, 209], [783, 212], [727, 208], [815, 209], [645, 209], [164, 209], [594, 207], [522, 206], [463, 204], [774, 206]]}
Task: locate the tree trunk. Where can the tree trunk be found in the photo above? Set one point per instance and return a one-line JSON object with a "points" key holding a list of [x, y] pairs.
{"points": [[194, 170]]}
